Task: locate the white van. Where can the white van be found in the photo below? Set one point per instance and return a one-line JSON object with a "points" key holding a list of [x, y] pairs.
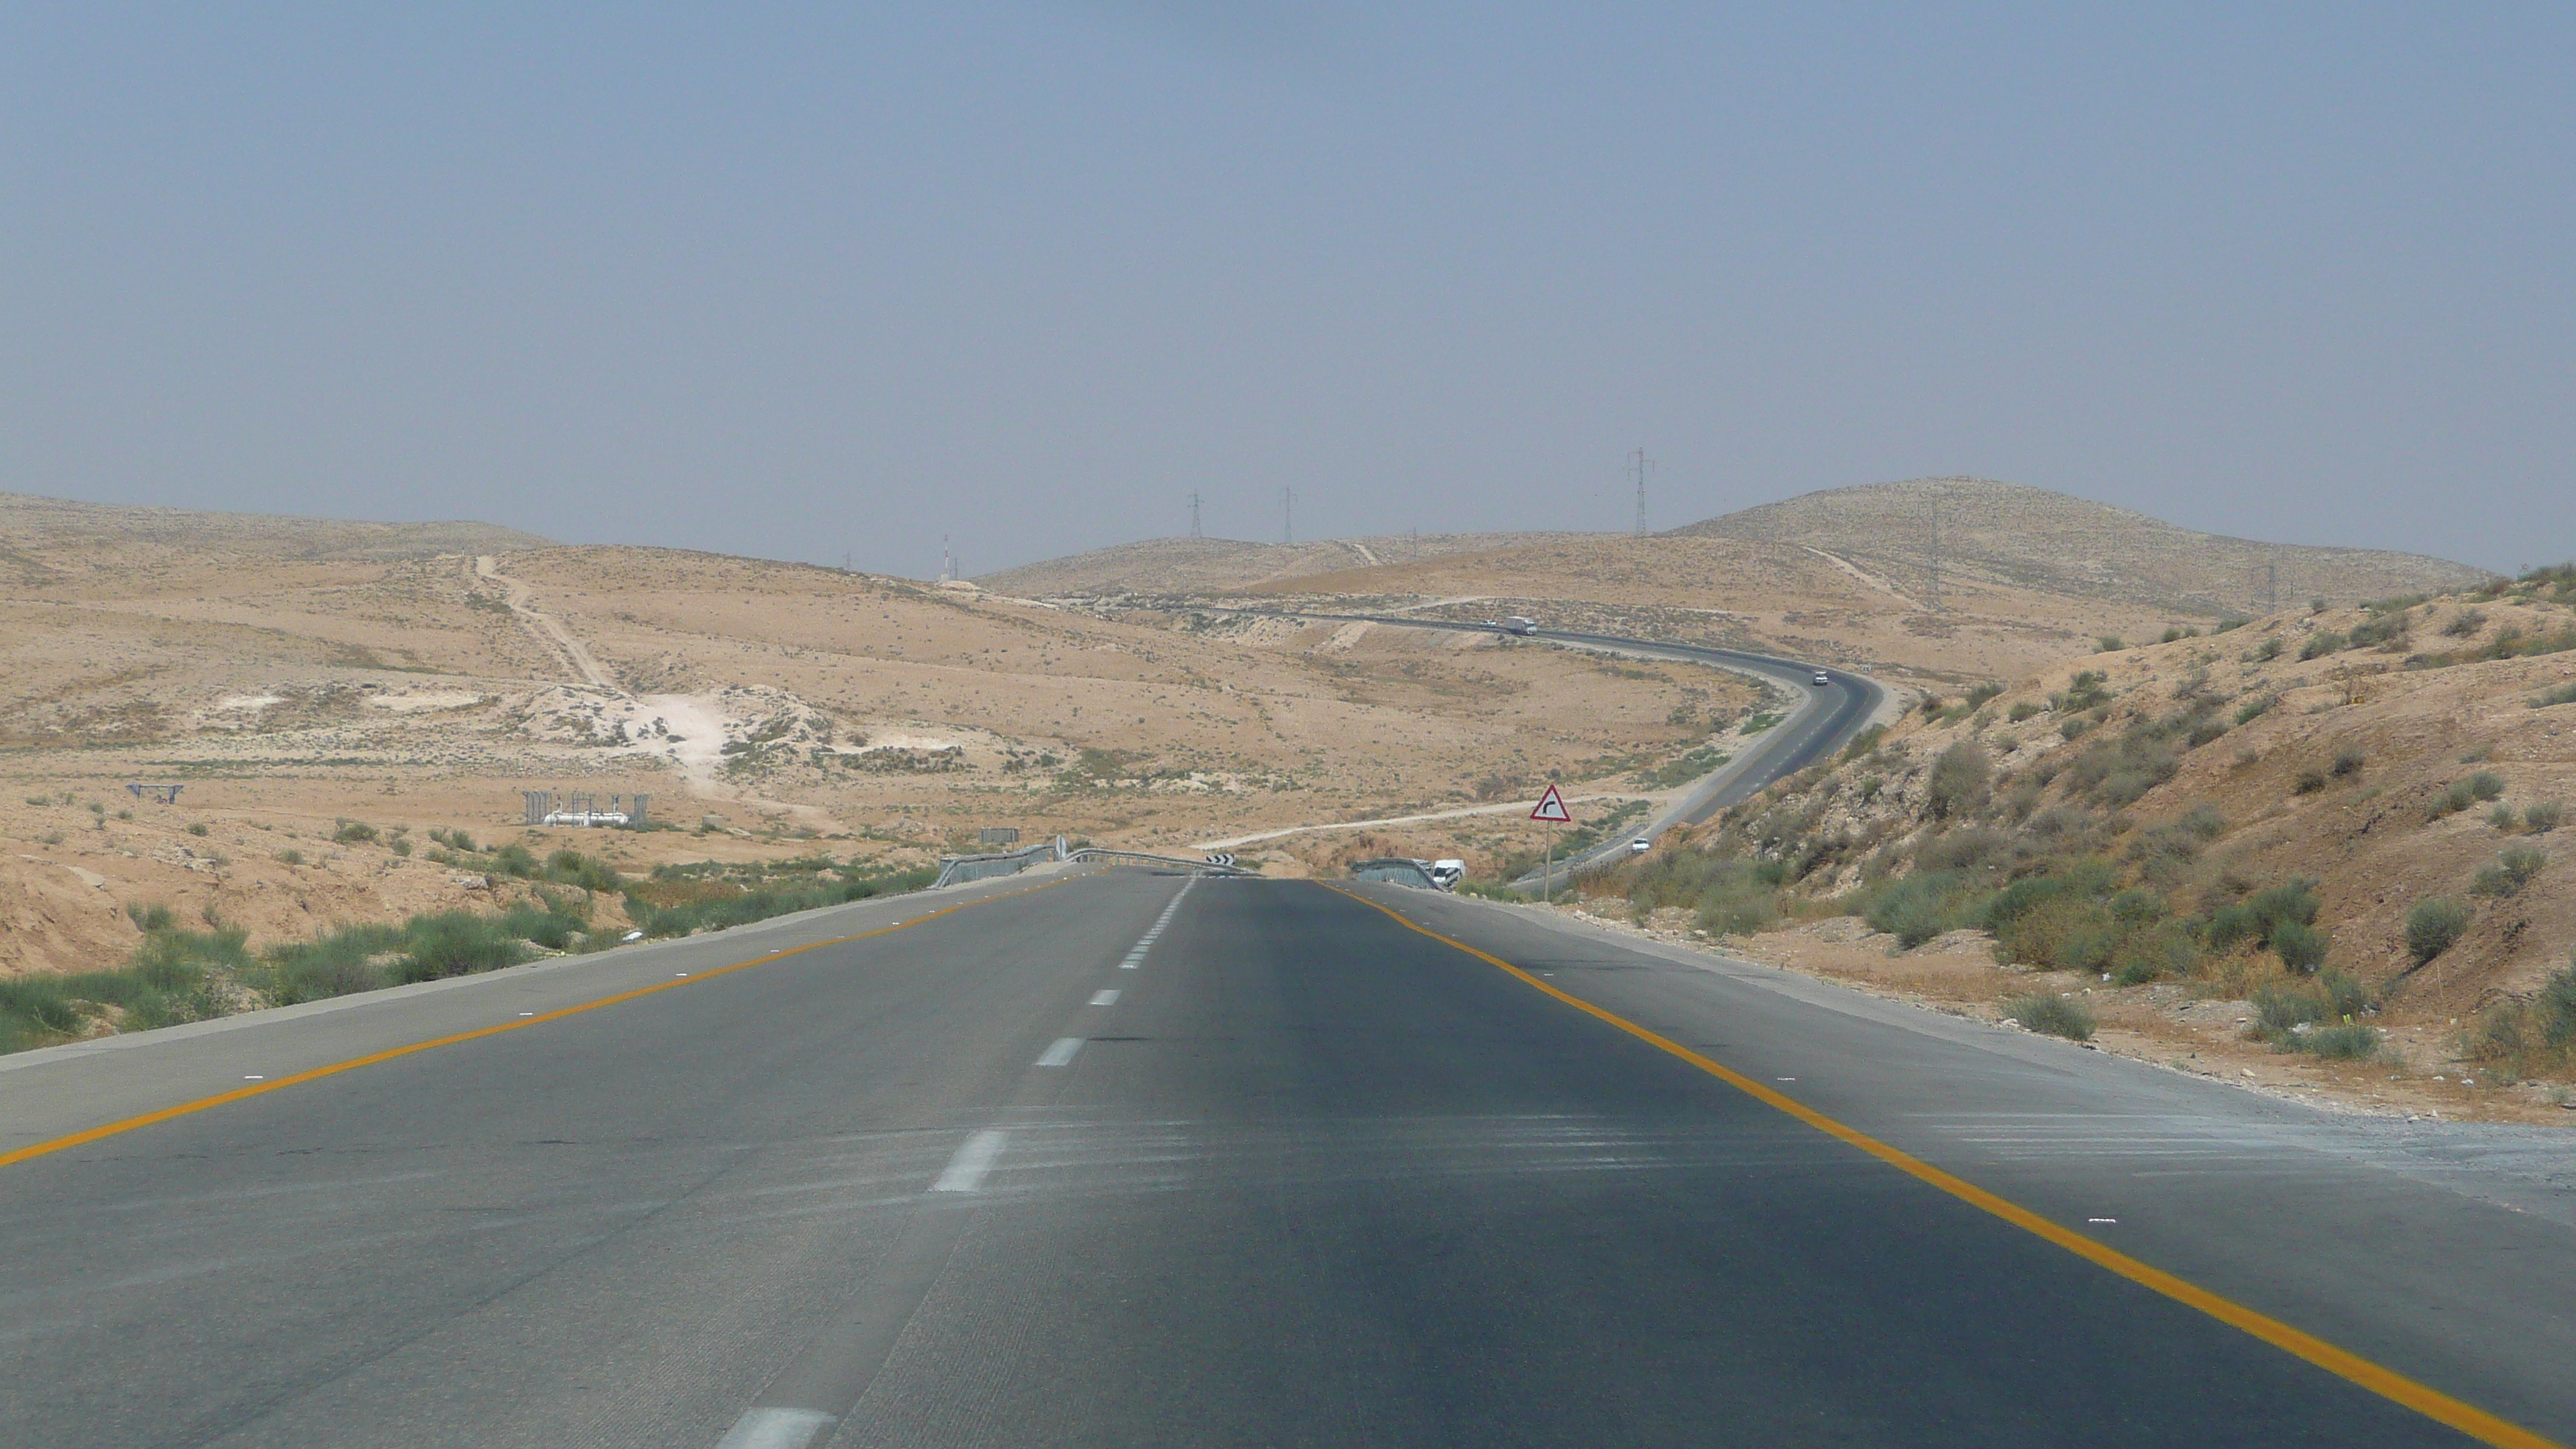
{"points": [[1447, 873]]}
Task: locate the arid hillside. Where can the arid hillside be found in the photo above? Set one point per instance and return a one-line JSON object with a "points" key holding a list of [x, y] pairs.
{"points": [[325, 703], [95, 533], [2031, 538], [1768, 597], [2027, 575], [1223, 565], [2214, 832]]}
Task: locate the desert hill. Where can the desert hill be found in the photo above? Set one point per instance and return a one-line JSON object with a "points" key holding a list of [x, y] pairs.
{"points": [[31, 526], [1224, 565], [2027, 577], [325, 707], [2032, 538], [2133, 827]]}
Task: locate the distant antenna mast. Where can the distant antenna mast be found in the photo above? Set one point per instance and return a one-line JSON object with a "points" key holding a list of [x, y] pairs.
{"points": [[947, 562], [1194, 517], [2272, 584], [1287, 515], [1637, 467]]}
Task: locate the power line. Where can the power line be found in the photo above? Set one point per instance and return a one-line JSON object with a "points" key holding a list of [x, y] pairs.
{"points": [[1287, 515]]}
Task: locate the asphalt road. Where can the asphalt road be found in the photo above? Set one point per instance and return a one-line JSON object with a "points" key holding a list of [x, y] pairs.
{"points": [[1823, 719], [1310, 1176]]}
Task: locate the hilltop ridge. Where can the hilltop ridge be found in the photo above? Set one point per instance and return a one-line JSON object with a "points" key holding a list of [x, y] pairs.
{"points": [[31, 525], [2035, 538], [1228, 565]]}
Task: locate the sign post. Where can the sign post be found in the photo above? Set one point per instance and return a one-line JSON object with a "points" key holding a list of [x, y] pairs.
{"points": [[1550, 808]]}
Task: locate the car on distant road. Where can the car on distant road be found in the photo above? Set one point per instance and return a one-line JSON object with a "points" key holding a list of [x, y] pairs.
{"points": [[1823, 678], [1640, 845]]}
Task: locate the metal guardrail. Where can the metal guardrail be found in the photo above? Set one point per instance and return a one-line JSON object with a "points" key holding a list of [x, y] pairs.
{"points": [[1396, 869], [956, 868], [1141, 857]]}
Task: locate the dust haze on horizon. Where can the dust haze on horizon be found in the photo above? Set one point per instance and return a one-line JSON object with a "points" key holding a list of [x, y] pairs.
{"points": [[811, 285]]}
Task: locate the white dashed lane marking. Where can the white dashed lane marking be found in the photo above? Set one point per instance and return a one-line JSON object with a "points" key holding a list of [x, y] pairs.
{"points": [[975, 1156]]}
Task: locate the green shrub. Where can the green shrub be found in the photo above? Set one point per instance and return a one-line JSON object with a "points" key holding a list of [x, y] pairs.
{"points": [[457, 943], [290, 856], [2351, 1041], [2563, 694], [1962, 781], [2267, 651], [197, 828], [2555, 1005], [150, 918], [353, 832], [2483, 786], [2083, 692], [2345, 995], [1864, 742], [2066, 934], [2542, 818], [335, 964], [2308, 782], [2108, 644], [2322, 643], [2023, 709], [2163, 949], [2260, 917], [2509, 873], [514, 860], [2501, 817], [1737, 908], [2347, 763], [2230, 624], [2301, 947], [737, 905], [2433, 925], [572, 868], [1924, 904], [544, 925], [2053, 1014], [2280, 1010], [2387, 628]]}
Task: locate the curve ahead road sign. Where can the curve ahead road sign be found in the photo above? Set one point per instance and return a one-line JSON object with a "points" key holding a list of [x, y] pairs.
{"points": [[1551, 807]]}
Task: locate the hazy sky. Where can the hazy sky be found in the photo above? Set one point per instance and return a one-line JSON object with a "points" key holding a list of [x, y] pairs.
{"points": [[800, 280]]}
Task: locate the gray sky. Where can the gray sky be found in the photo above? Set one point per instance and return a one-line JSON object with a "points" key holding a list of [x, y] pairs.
{"points": [[794, 281]]}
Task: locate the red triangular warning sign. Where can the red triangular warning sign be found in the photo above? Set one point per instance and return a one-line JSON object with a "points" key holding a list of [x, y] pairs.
{"points": [[1551, 807]]}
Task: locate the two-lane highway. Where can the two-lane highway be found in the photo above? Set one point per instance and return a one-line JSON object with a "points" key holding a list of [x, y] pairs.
{"points": [[1136, 1159]]}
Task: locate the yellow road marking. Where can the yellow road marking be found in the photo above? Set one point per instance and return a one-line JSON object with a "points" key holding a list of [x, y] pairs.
{"points": [[2389, 1384], [202, 1104]]}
